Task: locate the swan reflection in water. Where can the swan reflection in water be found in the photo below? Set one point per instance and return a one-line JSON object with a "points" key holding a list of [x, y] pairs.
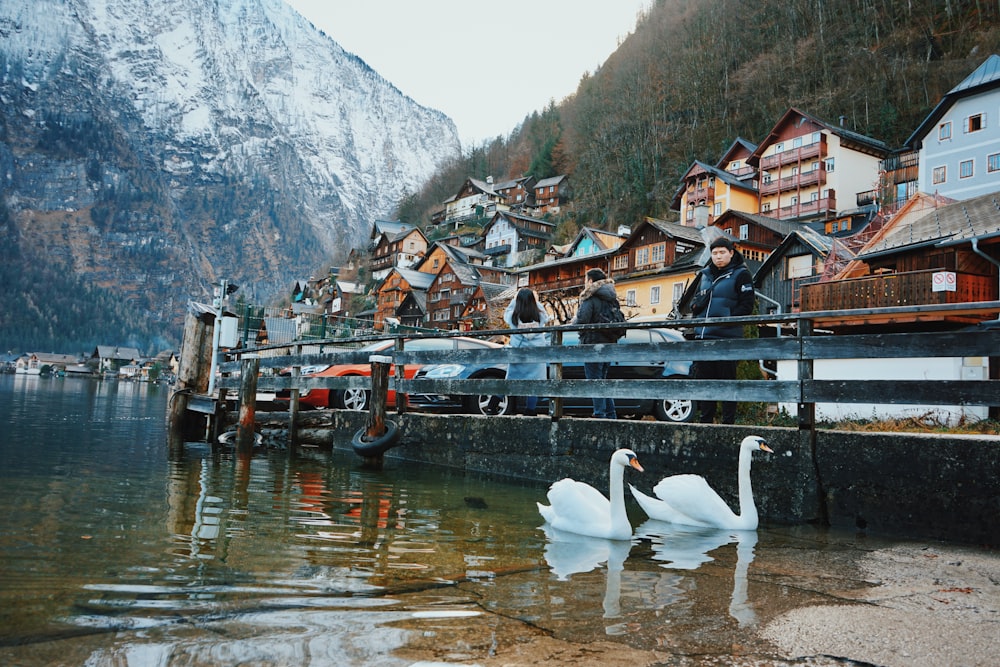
{"points": [[688, 547], [571, 553], [677, 547]]}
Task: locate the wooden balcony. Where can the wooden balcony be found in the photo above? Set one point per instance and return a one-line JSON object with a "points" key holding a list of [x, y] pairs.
{"points": [[803, 179], [911, 288], [815, 150]]}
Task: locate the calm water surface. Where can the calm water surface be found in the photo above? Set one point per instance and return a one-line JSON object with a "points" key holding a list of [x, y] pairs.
{"points": [[116, 553]]}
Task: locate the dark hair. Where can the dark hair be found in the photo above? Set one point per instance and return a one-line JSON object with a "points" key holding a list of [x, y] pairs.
{"points": [[722, 242], [525, 307], [596, 274]]}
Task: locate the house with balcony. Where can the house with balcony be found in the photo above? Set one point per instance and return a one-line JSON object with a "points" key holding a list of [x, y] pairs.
{"points": [[474, 204], [928, 253], [647, 268], [511, 239], [517, 192], [550, 195], [755, 235], [958, 143], [395, 244], [811, 170], [707, 191], [458, 297], [393, 291]]}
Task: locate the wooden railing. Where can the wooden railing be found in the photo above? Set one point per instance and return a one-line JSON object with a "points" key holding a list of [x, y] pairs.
{"points": [[803, 348], [914, 288]]}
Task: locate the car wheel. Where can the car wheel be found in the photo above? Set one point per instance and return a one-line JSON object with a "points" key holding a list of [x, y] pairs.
{"points": [[673, 410], [354, 399], [480, 405]]}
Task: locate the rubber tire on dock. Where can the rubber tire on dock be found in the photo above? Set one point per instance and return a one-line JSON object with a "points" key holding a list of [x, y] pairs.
{"points": [[378, 446]]}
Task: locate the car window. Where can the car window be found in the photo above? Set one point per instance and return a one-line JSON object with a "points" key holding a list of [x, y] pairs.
{"points": [[377, 346]]}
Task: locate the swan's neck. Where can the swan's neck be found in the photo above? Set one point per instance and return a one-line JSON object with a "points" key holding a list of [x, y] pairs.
{"points": [[617, 495], [747, 507]]}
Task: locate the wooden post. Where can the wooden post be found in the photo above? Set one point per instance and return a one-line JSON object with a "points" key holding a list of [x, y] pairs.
{"points": [[250, 367], [192, 377], [375, 426], [293, 403], [556, 371]]}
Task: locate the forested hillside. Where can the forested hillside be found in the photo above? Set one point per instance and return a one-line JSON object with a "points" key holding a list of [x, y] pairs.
{"points": [[697, 74]]}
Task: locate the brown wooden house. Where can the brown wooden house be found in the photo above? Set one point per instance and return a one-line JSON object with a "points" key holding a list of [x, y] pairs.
{"points": [[927, 254]]}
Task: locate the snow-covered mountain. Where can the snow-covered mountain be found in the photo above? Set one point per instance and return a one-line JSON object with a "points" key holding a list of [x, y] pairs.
{"points": [[157, 145]]}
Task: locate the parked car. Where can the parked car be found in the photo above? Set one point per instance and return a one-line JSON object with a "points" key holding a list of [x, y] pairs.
{"points": [[665, 409], [358, 399]]}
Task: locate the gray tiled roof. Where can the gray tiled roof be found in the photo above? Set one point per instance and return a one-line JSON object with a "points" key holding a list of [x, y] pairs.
{"points": [[952, 223]]}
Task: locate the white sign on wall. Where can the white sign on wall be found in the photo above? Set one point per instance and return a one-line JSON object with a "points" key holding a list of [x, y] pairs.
{"points": [[944, 281]]}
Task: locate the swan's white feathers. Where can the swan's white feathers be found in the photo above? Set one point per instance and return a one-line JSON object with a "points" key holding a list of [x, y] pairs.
{"points": [[688, 499], [579, 508], [661, 511], [691, 496]]}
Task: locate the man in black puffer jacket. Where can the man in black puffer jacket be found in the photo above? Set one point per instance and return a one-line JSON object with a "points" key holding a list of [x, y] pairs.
{"points": [[598, 294], [725, 289]]}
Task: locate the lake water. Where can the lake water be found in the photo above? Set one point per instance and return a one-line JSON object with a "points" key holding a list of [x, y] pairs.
{"points": [[115, 552]]}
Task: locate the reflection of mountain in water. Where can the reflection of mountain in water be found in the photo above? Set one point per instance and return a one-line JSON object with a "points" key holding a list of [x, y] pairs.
{"points": [[688, 547]]}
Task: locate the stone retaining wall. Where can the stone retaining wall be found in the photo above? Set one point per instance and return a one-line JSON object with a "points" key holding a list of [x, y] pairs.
{"points": [[912, 485]]}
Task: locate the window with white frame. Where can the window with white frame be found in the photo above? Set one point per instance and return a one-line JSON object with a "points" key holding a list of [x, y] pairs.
{"points": [[939, 175], [658, 252], [620, 262], [654, 295], [744, 232], [630, 298], [642, 256], [678, 292], [944, 131], [993, 162], [965, 169], [829, 164], [717, 209]]}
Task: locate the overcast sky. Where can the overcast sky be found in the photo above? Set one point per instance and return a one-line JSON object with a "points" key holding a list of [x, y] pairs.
{"points": [[486, 65]]}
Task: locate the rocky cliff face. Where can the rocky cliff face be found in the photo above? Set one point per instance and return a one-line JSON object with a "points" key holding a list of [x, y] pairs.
{"points": [[151, 147]]}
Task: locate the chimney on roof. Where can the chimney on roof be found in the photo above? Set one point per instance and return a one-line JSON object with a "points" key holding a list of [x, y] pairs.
{"points": [[489, 180], [624, 230], [701, 215]]}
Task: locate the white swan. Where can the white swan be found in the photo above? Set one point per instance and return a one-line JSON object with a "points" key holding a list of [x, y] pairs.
{"points": [[579, 508], [689, 500]]}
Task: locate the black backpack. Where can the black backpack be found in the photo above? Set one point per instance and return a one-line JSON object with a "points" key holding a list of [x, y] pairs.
{"points": [[610, 314]]}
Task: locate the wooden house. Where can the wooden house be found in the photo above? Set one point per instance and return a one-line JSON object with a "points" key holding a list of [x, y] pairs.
{"points": [[550, 195], [756, 236], [517, 192], [474, 203], [394, 290], [707, 191], [799, 260], [929, 253], [809, 169], [395, 244], [512, 239], [647, 270]]}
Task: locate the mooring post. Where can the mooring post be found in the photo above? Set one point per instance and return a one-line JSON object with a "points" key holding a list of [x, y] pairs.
{"points": [[375, 426], [293, 400], [191, 378], [249, 369]]}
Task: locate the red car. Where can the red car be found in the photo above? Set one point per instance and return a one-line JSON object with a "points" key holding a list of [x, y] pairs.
{"points": [[357, 399]]}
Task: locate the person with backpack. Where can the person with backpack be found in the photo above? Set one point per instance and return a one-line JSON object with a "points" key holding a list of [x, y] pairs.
{"points": [[525, 313], [725, 289], [598, 302]]}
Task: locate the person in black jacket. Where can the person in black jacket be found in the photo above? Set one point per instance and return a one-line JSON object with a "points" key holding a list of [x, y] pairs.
{"points": [[598, 294], [725, 289]]}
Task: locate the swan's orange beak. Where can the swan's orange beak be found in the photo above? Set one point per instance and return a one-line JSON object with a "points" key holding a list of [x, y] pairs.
{"points": [[634, 462], [765, 448]]}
